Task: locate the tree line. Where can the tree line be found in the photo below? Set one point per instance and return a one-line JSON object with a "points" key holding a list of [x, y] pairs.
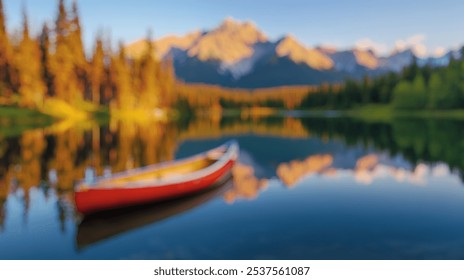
{"points": [[54, 64], [206, 96], [415, 87]]}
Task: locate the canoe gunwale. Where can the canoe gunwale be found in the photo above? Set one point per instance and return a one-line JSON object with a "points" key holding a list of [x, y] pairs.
{"points": [[104, 183]]}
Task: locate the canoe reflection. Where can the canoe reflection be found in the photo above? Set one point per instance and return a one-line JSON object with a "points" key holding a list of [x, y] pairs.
{"points": [[104, 225]]}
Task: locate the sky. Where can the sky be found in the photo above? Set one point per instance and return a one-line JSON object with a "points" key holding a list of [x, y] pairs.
{"points": [[429, 27]]}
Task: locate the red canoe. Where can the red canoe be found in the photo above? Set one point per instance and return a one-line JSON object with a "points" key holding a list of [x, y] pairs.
{"points": [[157, 182]]}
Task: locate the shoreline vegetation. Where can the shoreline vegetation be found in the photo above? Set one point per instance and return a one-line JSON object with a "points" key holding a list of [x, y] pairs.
{"points": [[49, 77], [28, 118], [383, 113], [388, 112], [51, 74]]}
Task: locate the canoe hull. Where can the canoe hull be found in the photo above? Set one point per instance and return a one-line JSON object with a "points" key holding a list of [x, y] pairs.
{"points": [[105, 225], [101, 199]]}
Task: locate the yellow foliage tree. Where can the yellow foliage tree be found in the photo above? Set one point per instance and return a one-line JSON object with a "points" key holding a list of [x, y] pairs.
{"points": [[6, 53], [28, 65], [121, 75], [97, 71], [148, 86], [65, 80]]}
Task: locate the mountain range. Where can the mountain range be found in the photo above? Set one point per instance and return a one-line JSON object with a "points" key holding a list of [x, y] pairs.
{"points": [[238, 54]]}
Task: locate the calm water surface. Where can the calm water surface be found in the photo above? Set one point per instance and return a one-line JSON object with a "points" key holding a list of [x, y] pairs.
{"points": [[311, 188]]}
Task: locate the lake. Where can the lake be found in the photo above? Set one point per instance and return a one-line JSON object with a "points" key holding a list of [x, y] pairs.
{"points": [[304, 188]]}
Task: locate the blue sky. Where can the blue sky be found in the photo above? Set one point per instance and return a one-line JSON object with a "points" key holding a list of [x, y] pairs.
{"points": [[428, 26]]}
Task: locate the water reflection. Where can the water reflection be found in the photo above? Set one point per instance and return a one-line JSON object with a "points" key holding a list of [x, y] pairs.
{"points": [[367, 169], [277, 126], [108, 224], [3, 197], [58, 156], [291, 173], [277, 153], [417, 140], [245, 184]]}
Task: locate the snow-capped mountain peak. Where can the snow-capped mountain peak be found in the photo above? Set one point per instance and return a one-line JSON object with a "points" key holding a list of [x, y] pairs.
{"points": [[289, 47], [231, 42], [238, 54]]}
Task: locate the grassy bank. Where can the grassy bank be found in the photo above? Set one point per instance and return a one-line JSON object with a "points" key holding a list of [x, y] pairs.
{"points": [[376, 113], [13, 120], [387, 112], [18, 114]]}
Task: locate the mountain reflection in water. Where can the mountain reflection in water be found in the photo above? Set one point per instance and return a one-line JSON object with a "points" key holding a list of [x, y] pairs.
{"points": [[39, 167], [368, 168]]}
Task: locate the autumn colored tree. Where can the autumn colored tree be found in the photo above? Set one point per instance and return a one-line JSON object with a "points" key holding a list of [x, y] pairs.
{"points": [[55, 65], [65, 80], [97, 71], [28, 65], [107, 92], [46, 71], [6, 57], [77, 48], [167, 78], [148, 69], [121, 75]]}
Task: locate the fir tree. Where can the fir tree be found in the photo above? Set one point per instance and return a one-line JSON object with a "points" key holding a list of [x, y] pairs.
{"points": [[77, 48], [121, 74], [167, 81], [65, 80], [97, 71], [435, 91], [28, 65], [44, 44], [148, 71], [6, 52]]}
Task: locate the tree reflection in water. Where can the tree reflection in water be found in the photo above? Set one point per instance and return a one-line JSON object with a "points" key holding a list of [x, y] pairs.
{"points": [[54, 158]]}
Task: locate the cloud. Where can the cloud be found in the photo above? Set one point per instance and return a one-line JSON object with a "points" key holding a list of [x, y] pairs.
{"points": [[415, 43], [368, 44]]}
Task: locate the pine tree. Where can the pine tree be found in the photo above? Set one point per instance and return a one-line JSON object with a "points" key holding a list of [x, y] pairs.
{"points": [[365, 94], [6, 53], [121, 74], [148, 71], [401, 95], [77, 48], [28, 65], [409, 95], [44, 44], [97, 71], [107, 89], [419, 92], [452, 96], [410, 72], [62, 20], [167, 82], [435, 91], [65, 81]]}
